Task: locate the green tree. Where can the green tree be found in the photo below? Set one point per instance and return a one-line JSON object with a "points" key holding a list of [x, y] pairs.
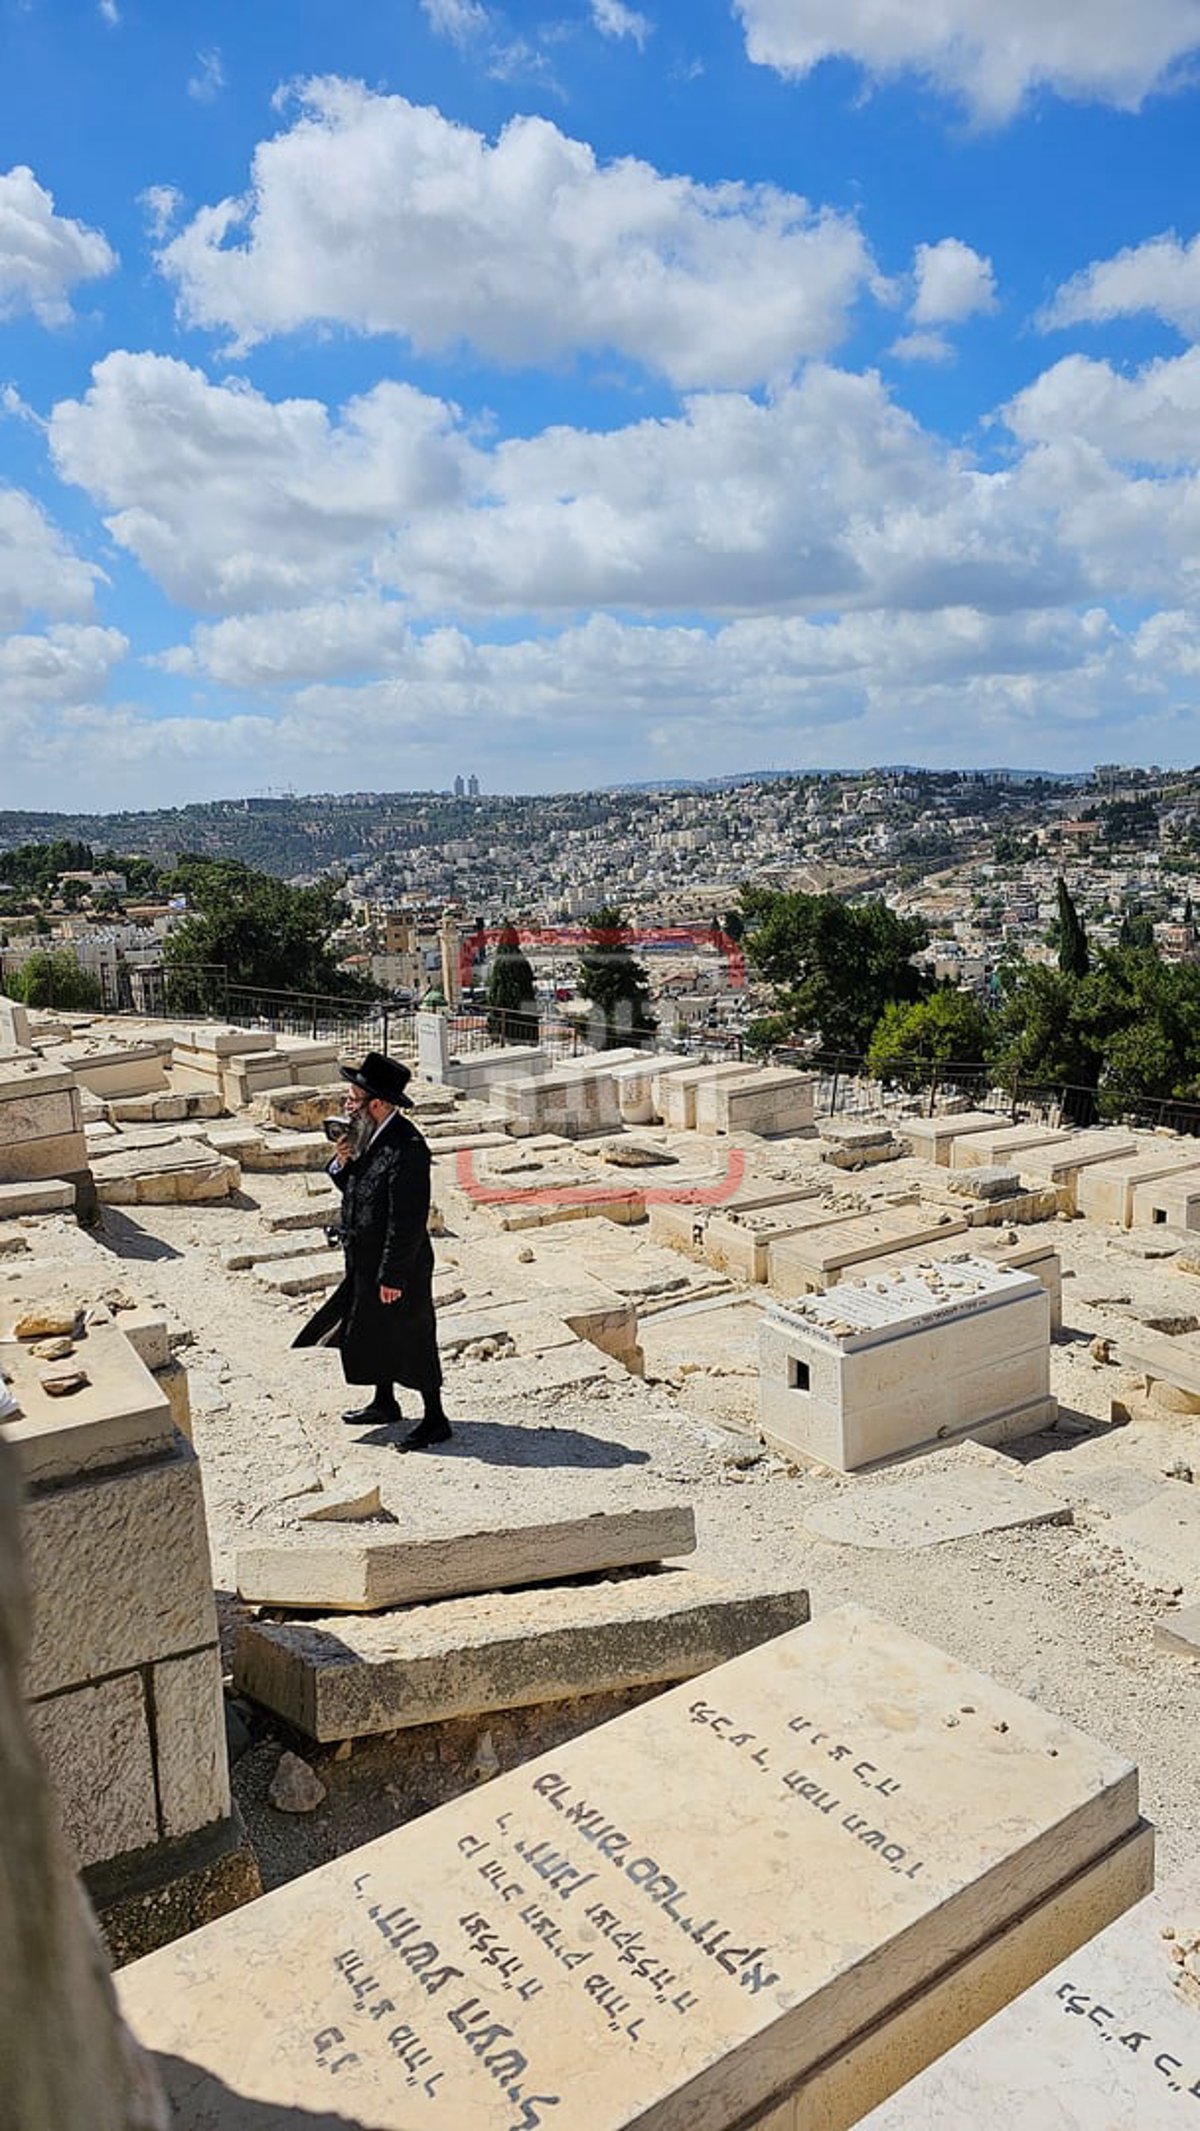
{"points": [[948, 1028], [54, 979], [1143, 1017], [512, 1015], [258, 930], [36, 867], [1072, 939], [1041, 1035], [1136, 929], [834, 965], [615, 982]]}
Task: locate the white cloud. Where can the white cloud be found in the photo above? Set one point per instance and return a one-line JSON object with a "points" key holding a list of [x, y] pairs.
{"points": [[333, 640], [209, 78], [991, 54], [230, 499], [828, 495], [45, 681], [43, 254], [67, 664], [110, 13], [387, 218], [613, 19], [953, 282], [39, 571], [460, 20], [1161, 276], [922, 348], [862, 688], [1152, 419], [160, 204]]}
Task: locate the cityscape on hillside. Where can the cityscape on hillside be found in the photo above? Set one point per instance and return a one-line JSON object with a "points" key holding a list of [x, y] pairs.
{"points": [[975, 856]]}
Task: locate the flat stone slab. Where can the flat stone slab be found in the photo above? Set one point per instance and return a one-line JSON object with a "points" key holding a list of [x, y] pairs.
{"points": [[318, 1215], [275, 1253], [1180, 1634], [1111, 2038], [121, 1417], [288, 1150], [955, 1494], [304, 1275], [329, 1571], [785, 1887], [1161, 1540], [347, 1678], [18, 1199], [815, 1258], [161, 1175], [1158, 1355]]}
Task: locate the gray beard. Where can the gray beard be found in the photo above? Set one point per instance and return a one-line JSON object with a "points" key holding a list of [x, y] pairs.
{"points": [[361, 1128]]}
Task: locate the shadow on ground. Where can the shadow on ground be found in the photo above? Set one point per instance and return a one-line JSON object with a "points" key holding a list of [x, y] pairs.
{"points": [[492, 1443], [123, 1237], [1073, 1429]]}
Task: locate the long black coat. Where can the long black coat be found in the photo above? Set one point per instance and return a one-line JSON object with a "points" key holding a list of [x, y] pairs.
{"points": [[385, 1213]]}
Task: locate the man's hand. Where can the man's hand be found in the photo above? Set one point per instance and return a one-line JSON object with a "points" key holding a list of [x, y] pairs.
{"points": [[390, 1294]]}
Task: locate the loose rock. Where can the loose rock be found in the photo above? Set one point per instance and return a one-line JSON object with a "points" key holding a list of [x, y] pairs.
{"points": [[295, 1787]]}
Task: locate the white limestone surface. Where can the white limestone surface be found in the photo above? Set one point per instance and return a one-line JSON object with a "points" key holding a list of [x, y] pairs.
{"points": [[1109, 2041]]}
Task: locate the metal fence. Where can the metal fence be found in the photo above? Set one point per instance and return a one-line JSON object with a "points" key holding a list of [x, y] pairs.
{"points": [[924, 1087]]}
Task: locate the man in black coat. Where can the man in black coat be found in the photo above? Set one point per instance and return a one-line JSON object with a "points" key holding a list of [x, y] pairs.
{"points": [[381, 1317]]}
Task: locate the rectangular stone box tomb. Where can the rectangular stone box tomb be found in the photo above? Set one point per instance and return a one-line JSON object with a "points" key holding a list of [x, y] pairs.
{"points": [[885, 1368], [676, 1094], [1007, 1146], [1107, 1191], [713, 1909], [933, 1138], [1170, 1202], [773, 1102]]}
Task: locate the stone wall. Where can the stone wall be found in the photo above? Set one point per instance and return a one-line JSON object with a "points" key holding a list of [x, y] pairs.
{"points": [[66, 2061], [123, 1677]]}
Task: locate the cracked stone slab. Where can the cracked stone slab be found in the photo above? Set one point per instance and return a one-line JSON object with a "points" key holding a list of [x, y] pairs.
{"points": [[346, 1677], [329, 1571]]}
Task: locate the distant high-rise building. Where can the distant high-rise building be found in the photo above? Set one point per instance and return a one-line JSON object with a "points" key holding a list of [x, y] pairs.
{"points": [[458, 788], [472, 787]]}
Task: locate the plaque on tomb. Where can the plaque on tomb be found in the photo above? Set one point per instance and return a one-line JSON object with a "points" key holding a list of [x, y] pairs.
{"points": [[677, 1921], [1112, 2037]]}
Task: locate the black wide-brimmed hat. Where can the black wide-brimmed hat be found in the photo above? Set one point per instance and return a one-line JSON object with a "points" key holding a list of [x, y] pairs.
{"points": [[384, 1078]]}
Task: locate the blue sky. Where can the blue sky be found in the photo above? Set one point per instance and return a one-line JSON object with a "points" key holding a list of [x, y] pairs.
{"points": [[587, 392]]}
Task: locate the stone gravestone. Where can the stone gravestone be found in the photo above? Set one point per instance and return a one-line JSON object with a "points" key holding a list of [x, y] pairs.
{"points": [[66, 2061], [1112, 2037], [14, 1027], [804, 1874], [433, 1047]]}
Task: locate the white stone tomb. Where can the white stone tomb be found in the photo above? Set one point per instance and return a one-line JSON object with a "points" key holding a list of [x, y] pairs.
{"points": [[905, 1362]]}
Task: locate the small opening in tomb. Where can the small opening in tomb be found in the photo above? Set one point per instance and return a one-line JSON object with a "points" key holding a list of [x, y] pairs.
{"points": [[1158, 1214], [797, 1374]]}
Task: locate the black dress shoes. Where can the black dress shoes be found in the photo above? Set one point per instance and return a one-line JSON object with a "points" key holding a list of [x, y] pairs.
{"points": [[373, 1417], [433, 1429]]}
